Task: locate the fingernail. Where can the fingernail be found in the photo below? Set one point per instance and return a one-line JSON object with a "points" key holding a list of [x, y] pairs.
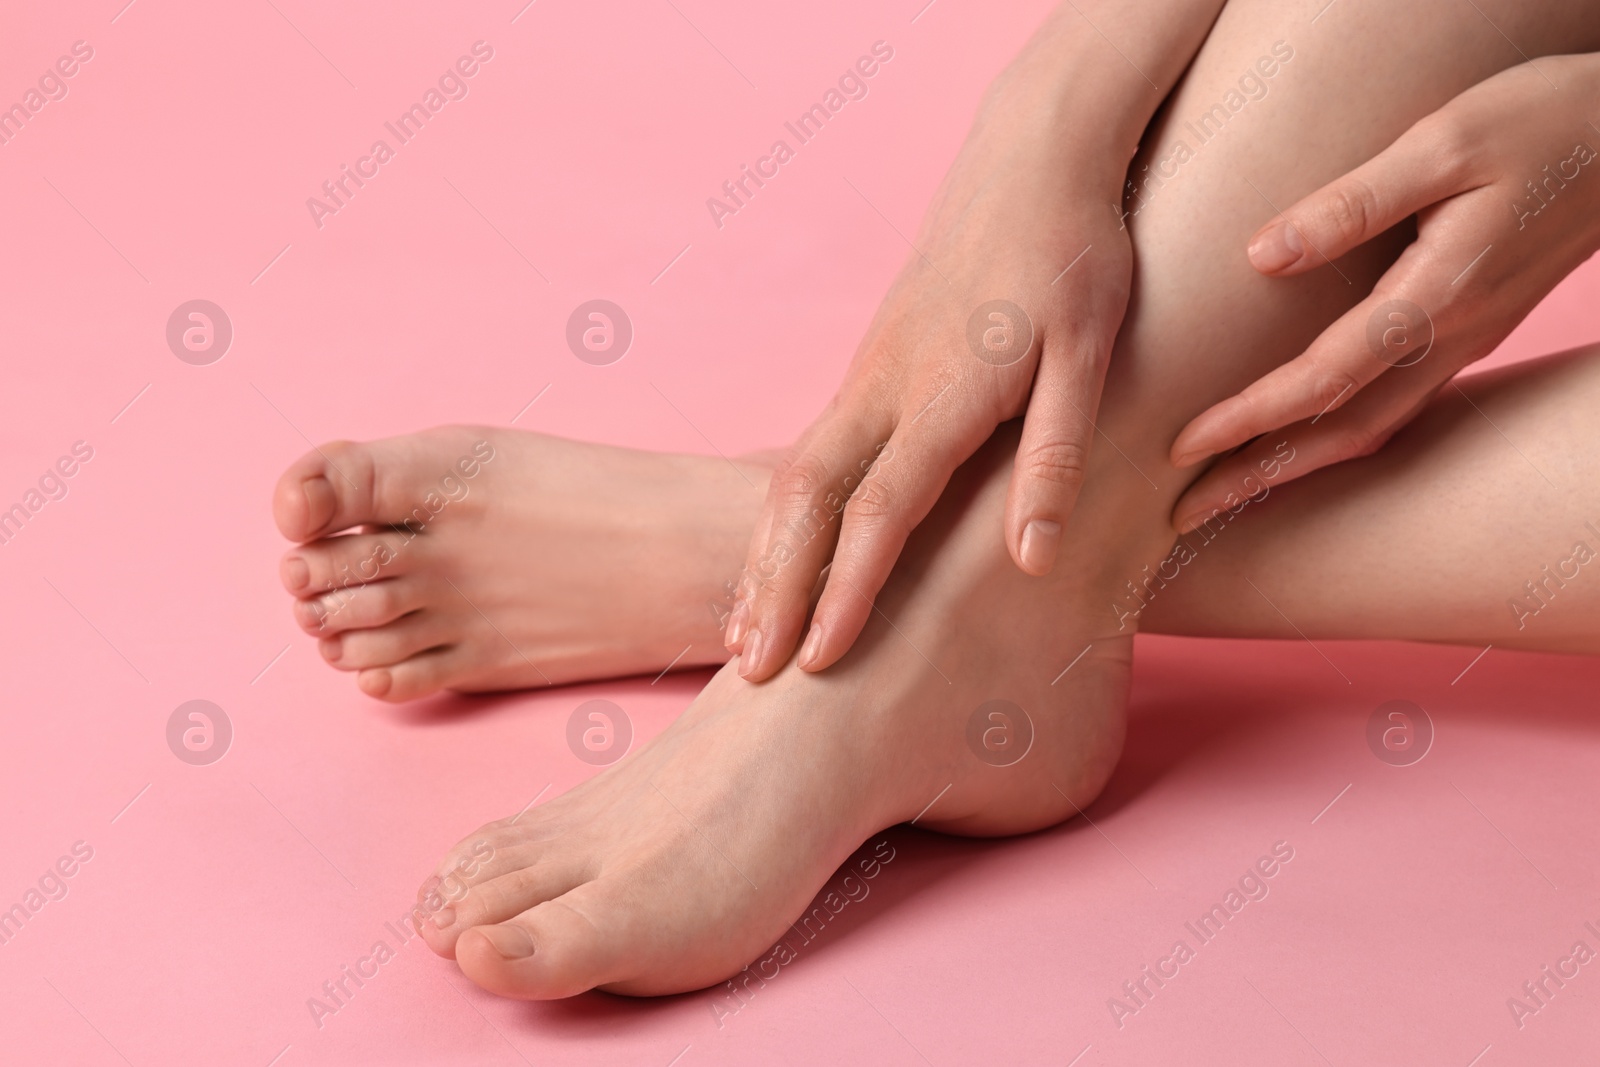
{"points": [[443, 917], [737, 622], [812, 646], [1191, 522], [1040, 539], [1189, 459], [512, 942], [1276, 248], [751, 654], [296, 574]]}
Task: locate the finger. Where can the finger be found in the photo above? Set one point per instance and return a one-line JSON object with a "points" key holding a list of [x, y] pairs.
{"points": [[1383, 331], [1295, 451], [1421, 168], [1327, 375], [1052, 458], [895, 494], [797, 537]]}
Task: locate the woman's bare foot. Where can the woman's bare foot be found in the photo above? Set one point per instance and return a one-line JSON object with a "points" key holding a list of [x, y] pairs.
{"points": [[497, 559], [685, 861]]}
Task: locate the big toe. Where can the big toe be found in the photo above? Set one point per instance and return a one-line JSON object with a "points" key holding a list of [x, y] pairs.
{"points": [[556, 949], [328, 489]]}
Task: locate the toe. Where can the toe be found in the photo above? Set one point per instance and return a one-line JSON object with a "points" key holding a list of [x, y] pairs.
{"points": [[352, 559], [558, 949], [344, 484], [496, 900], [359, 607], [412, 679], [356, 650]]}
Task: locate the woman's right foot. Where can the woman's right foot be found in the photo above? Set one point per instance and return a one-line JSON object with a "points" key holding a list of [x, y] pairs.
{"points": [[476, 558]]}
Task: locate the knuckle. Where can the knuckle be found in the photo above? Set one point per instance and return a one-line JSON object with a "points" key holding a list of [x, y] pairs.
{"points": [[801, 480], [1331, 386], [1061, 462], [1357, 441], [1348, 208], [1446, 145], [873, 503]]}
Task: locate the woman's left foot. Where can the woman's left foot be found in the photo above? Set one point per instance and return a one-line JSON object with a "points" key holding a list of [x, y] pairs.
{"points": [[679, 865]]}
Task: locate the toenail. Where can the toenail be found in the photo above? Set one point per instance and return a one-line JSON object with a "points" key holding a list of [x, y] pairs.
{"points": [[736, 624], [311, 614], [296, 574], [329, 647], [512, 942], [751, 655], [809, 650], [444, 917], [375, 683], [320, 501]]}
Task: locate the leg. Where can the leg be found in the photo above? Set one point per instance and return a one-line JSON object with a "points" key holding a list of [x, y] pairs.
{"points": [[461, 602], [1452, 532], [690, 857]]}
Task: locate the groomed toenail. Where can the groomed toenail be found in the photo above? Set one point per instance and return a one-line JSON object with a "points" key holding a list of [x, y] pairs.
{"points": [[296, 574], [329, 647], [443, 917], [375, 683], [321, 501], [512, 942]]}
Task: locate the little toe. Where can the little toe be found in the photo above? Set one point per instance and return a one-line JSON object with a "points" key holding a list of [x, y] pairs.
{"points": [[412, 679]]}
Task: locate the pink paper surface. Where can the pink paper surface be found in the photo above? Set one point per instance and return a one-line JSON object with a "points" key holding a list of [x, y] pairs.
{"points": [[219, 898]]}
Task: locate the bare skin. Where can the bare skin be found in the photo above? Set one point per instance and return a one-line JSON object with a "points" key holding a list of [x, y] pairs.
{"points": [[488, 591], [682, 862]]}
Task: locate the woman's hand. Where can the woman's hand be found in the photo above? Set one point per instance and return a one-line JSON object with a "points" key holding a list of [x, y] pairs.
{"points": [[1009, 306], [1505, 184]]}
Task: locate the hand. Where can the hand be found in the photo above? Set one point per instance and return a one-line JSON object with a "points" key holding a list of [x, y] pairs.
{"points": [[1505, 183], [1019, 284]]}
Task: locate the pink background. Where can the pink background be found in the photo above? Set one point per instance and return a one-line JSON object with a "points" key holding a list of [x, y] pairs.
{"points": [[178, 167]]}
